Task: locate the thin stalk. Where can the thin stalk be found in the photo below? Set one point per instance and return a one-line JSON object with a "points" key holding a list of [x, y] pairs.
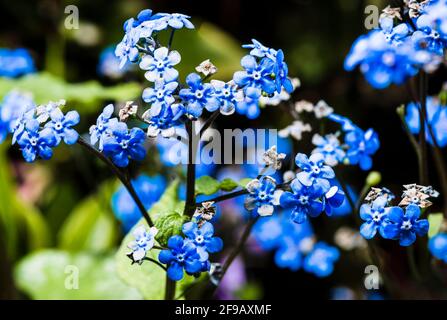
{"points": [[191, 172], [238, 248], [170, 288], [121, 176], [412, 262], [209, 122], [423, 165], [156, 262], [171, 39], [225, 197]]}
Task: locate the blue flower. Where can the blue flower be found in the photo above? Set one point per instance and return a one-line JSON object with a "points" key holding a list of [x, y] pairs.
{"points": [[305, 201], [159, 95], [383, 62], [198, 96], [180, 255], [329, 147], [259, 50], [430, 34], [263, 196], [35, 142], [144, 241], [126, 50], [203, 238], [346, 124], [160, 67], [438, 246], [249, 106], [228, 95], [101, 129], [256, 75], [124, 144], [165, 121], [394, 34], [177, 20], [14, 63], [148, 189], [436, 118], [361, 146], [406, 225], [62, 126], [314, 171], [333, 199], [375, 216], [321, 260], [281, 71]]}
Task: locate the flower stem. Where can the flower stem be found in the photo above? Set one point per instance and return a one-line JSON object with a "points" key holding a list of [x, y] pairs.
{"points": [[171, 39], [423, 166], [121, 176], [191, 172], [238, 248], [170, 288], [209, 122]]}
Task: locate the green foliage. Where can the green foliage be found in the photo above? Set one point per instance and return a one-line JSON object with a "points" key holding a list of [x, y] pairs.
{"points": [[87, 95], [51, 274], [207, 185], [435, 221], [228, 185], [148, 277], [169, 225], [243, 183], [250, 291]]}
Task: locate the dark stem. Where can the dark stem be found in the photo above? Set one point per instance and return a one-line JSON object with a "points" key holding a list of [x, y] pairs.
{"points": [[209, 122], [121, 176], [238, 248], [423, 165], [224, 197], [156, 262], [171, 39], [191, 172], [170, 288]]}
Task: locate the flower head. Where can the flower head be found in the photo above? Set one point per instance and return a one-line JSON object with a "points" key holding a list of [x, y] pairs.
{"points": [[361, 146], [165, 121], [102, 128], [273, 159], [124, 144], [198, 96], [160, 67], [14, 63], [314, 171], [438, 246], [375, 216], [161, 94], [128, 110], [205, 213], [263, 196], [295, 130], [203, 238], [228, 96], [62, 126], [405, 225], [144, 241], [35, 142], [329, 146], [180, 255], [206, 68], [418, 195], [321, 260], [256, 75]]}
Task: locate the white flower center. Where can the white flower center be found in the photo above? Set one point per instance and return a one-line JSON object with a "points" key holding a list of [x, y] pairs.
{"points": [[33, 141], [406, 225], [304, 200], [124, 144], [199, 94], [58, 126], [256, 75]]}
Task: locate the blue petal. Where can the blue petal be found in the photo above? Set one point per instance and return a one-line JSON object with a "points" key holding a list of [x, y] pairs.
{"points": [[175, 271]]}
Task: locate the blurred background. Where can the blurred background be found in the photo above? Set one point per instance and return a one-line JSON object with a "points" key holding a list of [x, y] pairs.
{"points": [[65, 204]]}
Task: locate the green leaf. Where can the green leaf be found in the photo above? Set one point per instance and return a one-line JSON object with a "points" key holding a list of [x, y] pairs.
{"points": [[243, 183], [51, 274], [207, 185], [47, 87], [148, 277], [228, 185], [169, 225], [435, 221]]}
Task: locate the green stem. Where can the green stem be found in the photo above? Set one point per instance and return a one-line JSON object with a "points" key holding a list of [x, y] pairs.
{"points": [[121, 176]]}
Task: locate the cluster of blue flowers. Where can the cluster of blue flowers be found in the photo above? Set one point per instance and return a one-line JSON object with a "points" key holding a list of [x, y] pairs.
{"points": [[400, 223], [436, 120], [295, 245], [394, 53], [191, 252], [36, 129], [15, 63], [116, 140], [359, 146], [313, 190], [438, 246]]}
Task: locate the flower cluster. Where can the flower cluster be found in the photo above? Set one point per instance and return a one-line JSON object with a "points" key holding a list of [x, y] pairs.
{"points": [[116, 140], [295, 245], [396, 52], [14, 63], [191, 252], [359, 146], [37, 129], [312, 190], [396, 222], [436, 121]]}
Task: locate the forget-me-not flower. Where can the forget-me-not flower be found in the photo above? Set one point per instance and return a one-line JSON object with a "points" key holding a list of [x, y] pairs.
{"points": [[314, 171], [161, 94], [263, 196], [321, 260], [101, 129], [329, 146], [256, 75], [160, 67], [203, 238], [62, 126], [375, 216], [35, 142], [198, 96], [144, 241]]}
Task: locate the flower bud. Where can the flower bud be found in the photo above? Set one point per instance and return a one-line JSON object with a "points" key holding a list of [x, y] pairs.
{"points": [[373, 178]]}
